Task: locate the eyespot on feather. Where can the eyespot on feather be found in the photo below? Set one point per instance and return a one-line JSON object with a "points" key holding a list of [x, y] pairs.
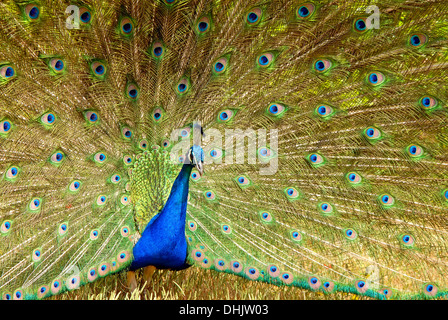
{"points": [[126, 26], [265, 216], [56, 286], [220, 66], [5, 127], [48, 118], [99, 157], [407, 240], [328, 286], [322, 65], [314, 282], [236, 266], [35, 204], [18, 295], [296, 235], [32, 12], [414, 151], [265, 60], [273, 271], [6, 227], [315, 159], [220, 264], [386, 200], [74, 186], [286, 278], [254, 16], [42, 291], [203, 25], [7, 72], [123, 256], [428, 103], [62, 229], [57, 158], [192, 225], [84, 15], [126, 133], [98, 68], [353, 178], [157, 114], [276, 109], [375, 78], [361, 25], [417, 40], [57, 65], [252, 273], [73, 282], [94, 234], [92, 274], [183, 86], [430, 290], [325, 207], [350, 234], [104, 269], [305, 11], [158, 50], [361, 286], [12, 173], [132, 91]]}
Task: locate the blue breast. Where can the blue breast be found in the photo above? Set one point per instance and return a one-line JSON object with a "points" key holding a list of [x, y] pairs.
{"points": [[163, 242]]}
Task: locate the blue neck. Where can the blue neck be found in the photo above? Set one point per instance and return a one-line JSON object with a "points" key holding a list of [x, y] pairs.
{"points": [[163, 243]]}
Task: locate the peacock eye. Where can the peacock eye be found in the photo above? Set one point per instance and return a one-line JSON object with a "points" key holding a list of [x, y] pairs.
{"points": [[386, 200], [7, 72], [74, 186], [5, 127], [322, 65], [12, 173], [182, 86], [276, 109], [84, 15], [203, 25], [132, 91], [326, 207], [157, 49], [417, 40], [127, 26], [32, 11], [265, 60], [126, 133], [375, 78], [414, 151], [57, 65], [254, 16], [350, 234], [428, 102], [324, 111], [209, 195], [353, 178], [57, 158], [305, 11], [101, 200], [48, 118], [35, 204], [360, 25], [157, 114], [98, 68]]}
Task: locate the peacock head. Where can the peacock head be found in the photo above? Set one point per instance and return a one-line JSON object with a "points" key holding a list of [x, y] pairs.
{"points": [[196, 158]]}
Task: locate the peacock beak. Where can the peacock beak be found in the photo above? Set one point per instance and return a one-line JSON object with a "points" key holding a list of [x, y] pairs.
{"points": [[199, 166]]}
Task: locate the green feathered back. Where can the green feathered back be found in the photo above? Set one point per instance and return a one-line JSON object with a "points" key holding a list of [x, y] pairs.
{"points": [[343, 182]]}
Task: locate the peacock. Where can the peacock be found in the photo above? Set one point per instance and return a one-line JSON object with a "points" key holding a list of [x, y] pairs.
{"points": [[301, 143]]}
